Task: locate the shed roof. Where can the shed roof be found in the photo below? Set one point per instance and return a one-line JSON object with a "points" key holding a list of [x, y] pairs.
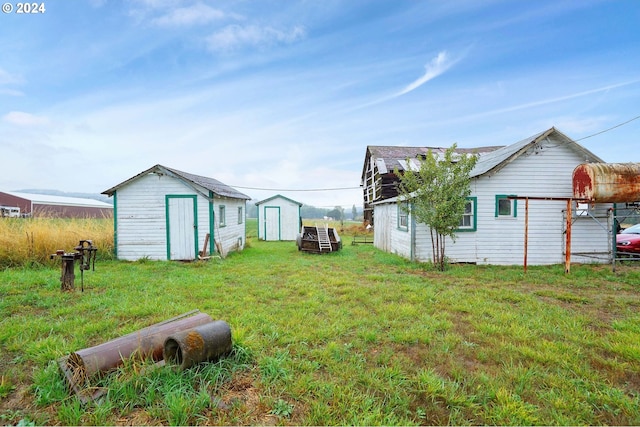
{"points": [[276, 197], [213, 185], [389, 158], [48, 199], [493, 161]]}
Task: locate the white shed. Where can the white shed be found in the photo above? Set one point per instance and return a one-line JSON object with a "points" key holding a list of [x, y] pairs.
{"points": [[167, 214], [493, 228], [279, 218]]}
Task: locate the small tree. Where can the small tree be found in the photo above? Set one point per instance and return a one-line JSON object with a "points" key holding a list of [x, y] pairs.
{"points": [[437, 194]]}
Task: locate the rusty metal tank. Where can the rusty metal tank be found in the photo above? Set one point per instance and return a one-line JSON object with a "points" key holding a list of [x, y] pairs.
{"points": [[607, 182]]}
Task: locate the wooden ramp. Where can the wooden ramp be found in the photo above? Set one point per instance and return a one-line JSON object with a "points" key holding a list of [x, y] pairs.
{"points": [[324, 244]]}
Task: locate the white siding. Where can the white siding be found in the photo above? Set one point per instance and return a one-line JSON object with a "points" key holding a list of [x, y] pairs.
{"points": [[387, 236], [230, 237], [383, 228], [142, 220], [141, 217], [545, 171], [289, 218]]}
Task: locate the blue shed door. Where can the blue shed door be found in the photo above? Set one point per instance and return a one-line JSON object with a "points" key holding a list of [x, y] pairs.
{"points": [[182, 227]]}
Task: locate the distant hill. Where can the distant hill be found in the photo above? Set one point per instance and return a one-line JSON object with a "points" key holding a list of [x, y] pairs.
{"points": [[100, 197]]}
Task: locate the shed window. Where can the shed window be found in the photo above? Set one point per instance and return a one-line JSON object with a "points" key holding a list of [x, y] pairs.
{"points": [[403, 216], [222, 216], [468, 220], [505, 207], [240, 216], [583, 209]]}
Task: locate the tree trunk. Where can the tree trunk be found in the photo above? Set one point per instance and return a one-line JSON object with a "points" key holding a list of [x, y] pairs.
{"points": [[434, 255]]}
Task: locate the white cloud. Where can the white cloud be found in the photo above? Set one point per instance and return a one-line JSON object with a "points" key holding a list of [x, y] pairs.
{"points": [[236, 36], [7, 78], [438, 65], [20, 118], [11, 92], [198, 14]]}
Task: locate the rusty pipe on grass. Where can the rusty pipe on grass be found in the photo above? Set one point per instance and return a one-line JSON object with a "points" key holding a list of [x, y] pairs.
{"points": [[145, 343], [201, 344]]}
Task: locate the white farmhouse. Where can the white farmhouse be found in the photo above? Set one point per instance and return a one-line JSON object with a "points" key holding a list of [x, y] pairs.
{"points": [[167, 214], [492, 230], [279, 218]]}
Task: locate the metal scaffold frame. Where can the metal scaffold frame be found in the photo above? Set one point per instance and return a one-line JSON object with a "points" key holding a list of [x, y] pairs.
{"points": [[631, 212]]}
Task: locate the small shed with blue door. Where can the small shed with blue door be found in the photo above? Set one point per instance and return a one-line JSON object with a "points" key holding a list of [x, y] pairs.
{"points": [[166, 214], [279, 218]]}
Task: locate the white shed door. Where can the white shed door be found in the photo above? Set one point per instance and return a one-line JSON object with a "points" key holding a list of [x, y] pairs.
{"points": [[272, 223], [182, 228]]}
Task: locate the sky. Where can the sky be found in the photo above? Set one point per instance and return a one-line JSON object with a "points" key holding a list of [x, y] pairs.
{"points": [[283, 97]]}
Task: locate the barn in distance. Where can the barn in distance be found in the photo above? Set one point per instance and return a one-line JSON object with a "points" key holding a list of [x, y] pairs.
{"points": [[46, 205]]}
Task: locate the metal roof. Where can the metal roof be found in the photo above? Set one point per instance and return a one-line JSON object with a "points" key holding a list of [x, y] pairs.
{"points": [[493, 161], [48, 199], [213, 185]]}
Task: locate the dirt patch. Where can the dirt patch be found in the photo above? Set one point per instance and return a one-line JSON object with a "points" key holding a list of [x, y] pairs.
{"points": [[240, 401], [138, 418]]}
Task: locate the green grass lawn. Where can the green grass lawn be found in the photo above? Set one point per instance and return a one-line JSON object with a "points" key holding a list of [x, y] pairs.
{"points": [[356, 337]]}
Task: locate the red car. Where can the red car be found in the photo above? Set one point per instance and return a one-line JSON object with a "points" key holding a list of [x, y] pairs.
{"points": [[629, 240]]}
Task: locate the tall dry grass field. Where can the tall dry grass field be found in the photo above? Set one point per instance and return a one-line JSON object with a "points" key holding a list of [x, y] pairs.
{"points": [[31, 241]]}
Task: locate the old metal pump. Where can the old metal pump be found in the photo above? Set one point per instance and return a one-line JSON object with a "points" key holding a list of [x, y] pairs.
{"points": [[85, 252]]}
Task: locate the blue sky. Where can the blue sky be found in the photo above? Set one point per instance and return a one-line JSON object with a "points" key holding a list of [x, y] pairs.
{"points": [[287, 94]]}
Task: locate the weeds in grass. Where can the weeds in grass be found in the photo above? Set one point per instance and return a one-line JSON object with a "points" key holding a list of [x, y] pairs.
{"points": [[182, 407], [273, 368], [99, 412], [282, 408], [6, 386], [70, 412], [48, 385]]}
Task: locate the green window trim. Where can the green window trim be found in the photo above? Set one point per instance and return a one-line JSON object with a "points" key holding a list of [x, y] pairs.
{"points": [[513, 206], [212, 222], [115, 224], [403, 216], [473, 215], [222, 216], [264, 224]]}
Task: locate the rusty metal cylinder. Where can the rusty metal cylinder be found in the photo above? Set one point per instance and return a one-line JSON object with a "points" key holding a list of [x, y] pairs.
{"points": [[607, 182], [147, 342], [201, 344]]}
